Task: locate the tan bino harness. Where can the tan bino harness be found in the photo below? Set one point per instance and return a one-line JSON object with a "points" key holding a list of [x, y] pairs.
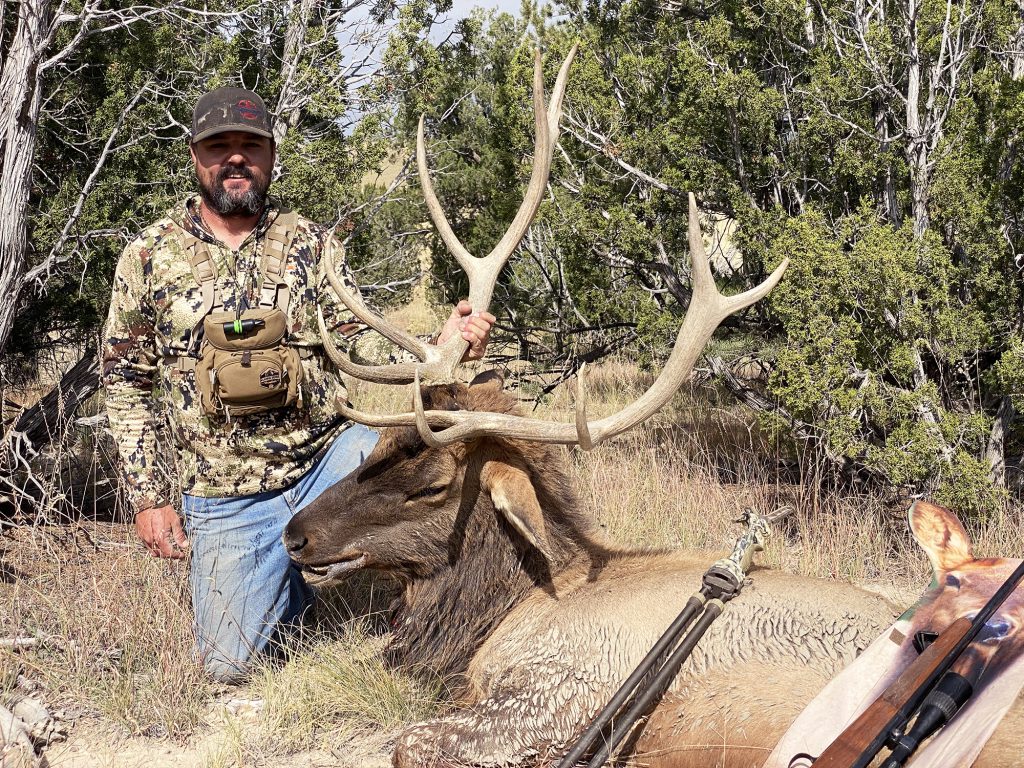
{"points": [[244, 365]]}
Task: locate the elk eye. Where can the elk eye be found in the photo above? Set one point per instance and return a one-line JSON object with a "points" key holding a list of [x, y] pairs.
{"points": [[431, 490], [952, 581]]}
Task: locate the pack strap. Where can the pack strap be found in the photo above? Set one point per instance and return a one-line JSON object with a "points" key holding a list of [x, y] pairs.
{"points": [[277, 241], [205, 273]]}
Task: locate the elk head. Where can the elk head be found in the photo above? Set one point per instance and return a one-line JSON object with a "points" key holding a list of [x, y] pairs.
{"points": [[411, 509], [417, 475]]}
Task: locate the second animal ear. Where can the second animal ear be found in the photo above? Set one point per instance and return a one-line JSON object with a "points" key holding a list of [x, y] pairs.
{"points": [[940, 535], [508, 483]]}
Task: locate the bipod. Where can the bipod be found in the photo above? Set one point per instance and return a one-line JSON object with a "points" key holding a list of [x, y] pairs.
{"points": [[645, 686]]}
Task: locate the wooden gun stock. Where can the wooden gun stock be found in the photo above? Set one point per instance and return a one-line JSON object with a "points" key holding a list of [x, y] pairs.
{"points": [[857, 746]]}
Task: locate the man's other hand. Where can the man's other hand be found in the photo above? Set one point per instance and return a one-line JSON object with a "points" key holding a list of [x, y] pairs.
{"points": [[161, 532], [475, 327]]}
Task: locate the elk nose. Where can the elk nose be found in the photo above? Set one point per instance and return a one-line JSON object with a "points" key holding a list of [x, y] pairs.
{"points": [[293, 541]]}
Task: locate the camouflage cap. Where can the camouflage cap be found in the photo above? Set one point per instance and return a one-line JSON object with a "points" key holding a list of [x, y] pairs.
{"points": [[230, 109]]}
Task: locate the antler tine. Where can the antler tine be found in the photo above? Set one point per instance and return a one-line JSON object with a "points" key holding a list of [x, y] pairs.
{"points": [[557, 95], [444, 228], [483, 272], [546, 138], [707, 310], [401, 373], [363, 313]]}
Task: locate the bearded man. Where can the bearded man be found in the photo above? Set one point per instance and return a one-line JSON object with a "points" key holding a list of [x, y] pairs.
{"points": [[196, 299]]}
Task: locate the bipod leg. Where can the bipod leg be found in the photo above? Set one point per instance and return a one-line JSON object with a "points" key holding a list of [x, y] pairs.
{"points": [[648, 698], [722, 582], [654, 657]]}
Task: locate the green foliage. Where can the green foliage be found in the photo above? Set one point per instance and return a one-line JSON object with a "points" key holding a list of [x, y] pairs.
{"points": [[898, 327]]}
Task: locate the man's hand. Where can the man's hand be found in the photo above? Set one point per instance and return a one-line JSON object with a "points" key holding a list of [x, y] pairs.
{"points": [[161, 532], [475, 328]]}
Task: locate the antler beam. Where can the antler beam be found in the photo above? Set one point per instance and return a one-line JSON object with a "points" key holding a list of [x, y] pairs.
{"points": [[438, 363]]}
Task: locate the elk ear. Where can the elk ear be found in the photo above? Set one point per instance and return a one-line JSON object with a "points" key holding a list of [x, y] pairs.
{"points": [[941, 536], [512, 493], [491, 379]]}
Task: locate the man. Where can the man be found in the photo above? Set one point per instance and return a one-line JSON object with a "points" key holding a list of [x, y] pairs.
{"points": [[244, 472]]}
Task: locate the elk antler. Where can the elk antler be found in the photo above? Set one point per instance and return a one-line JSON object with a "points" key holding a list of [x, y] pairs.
{"points": [[708, 308], [438, 363]]}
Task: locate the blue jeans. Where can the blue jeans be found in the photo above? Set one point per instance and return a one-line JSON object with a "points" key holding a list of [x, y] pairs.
{"points": [[246, 592]]}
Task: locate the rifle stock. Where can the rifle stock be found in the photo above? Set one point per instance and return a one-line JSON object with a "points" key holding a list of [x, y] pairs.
{"points": [[857, 746]]}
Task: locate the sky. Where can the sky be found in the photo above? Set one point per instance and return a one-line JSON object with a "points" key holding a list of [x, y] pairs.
{"points": [[461, 8]]}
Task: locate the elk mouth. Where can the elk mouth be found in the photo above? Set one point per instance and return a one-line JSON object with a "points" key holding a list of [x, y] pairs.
{"points": [[322, 574]]}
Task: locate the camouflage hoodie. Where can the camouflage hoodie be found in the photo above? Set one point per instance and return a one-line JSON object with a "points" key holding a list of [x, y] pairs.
{"points": [[155, 305]]}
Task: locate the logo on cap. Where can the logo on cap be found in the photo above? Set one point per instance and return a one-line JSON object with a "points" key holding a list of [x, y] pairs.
{"points": [[249, 110]]}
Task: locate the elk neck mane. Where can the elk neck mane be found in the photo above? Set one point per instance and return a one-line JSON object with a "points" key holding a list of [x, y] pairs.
{"points": [[443, 618]]}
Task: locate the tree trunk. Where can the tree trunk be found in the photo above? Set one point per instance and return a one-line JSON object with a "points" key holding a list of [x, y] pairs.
{"points": [[995, 452], [1017, 45], [21, 87], [917, 141], [290, 99], [48, 419]]}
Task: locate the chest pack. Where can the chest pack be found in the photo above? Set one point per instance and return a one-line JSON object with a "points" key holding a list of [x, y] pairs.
{"points": [[244, 365]]}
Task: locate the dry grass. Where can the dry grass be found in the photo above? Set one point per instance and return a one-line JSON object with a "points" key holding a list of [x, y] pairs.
{"points": [[117, 629], [333, 694], [115, 626]]}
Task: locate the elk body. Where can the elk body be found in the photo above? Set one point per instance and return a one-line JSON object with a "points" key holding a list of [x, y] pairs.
{"points": [[511, 593]]}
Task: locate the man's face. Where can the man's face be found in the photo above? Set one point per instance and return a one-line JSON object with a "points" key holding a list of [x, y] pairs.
{"points": [[233, 169]]}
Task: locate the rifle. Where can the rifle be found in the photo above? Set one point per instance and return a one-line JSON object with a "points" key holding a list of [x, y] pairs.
{"points": [[927, 688], [644, 687]]}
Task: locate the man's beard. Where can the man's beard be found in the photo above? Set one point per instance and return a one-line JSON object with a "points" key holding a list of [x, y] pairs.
{"points": [[229, 204]]}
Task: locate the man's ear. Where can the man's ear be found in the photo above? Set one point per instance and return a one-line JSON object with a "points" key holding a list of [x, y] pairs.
{"points": [[507, 481], [192, 152]]}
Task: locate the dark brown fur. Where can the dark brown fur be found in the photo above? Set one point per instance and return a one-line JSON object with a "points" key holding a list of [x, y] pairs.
{"points": [[459, 587]]}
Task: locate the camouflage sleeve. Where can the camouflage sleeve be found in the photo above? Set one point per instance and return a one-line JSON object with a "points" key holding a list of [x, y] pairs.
{"points": [[350, 335], [129, 368]]}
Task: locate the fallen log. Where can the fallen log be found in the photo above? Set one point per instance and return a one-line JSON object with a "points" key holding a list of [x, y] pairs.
{"points": [[49, 419]]}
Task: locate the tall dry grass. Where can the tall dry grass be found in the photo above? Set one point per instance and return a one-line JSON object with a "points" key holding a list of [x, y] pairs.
{"points": [[115, 626]]}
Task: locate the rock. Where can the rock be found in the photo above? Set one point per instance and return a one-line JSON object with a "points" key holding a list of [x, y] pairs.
{"points": [[16, 748]]}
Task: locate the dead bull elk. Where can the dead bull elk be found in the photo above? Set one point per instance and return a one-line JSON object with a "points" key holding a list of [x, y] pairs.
{"points": [[509, 588]]}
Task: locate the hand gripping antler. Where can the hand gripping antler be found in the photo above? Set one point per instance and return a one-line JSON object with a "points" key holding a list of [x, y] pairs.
{"points": [[708, 308], [438, 363]]}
